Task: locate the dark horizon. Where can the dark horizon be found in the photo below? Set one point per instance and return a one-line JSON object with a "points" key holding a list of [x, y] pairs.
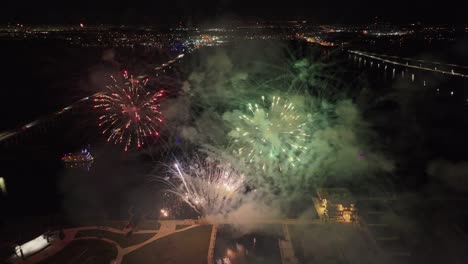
{"points": [[234, 23], [143, 12]]}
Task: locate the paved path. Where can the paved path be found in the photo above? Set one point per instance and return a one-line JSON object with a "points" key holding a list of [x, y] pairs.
{"points": [[286, 248], [211, 248], [264, 222], [167, 227]]}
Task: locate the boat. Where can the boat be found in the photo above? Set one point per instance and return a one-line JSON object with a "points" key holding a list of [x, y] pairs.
{"points": [[78, 157]]}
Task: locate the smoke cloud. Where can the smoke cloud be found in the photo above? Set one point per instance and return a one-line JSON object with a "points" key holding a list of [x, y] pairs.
{"points": [[340, 145], [452, 174]]}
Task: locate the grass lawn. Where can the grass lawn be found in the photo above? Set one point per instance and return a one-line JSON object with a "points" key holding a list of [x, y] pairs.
{"points": [[185, 247], [84, 251], [331, 243], [120, 239], [177, 227]]}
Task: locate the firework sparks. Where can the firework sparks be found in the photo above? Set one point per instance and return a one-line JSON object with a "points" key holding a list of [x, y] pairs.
{"points": [[130, 112], [208, 187], [269, 133]]}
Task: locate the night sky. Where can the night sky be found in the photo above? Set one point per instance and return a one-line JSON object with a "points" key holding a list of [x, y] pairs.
{"points": [[196, 12]]}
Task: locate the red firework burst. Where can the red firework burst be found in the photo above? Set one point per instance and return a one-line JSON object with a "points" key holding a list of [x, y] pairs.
{"points": [[130, 111]]}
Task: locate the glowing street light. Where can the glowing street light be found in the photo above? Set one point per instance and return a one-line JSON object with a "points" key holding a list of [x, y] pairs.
{"points": [[3, 186]]}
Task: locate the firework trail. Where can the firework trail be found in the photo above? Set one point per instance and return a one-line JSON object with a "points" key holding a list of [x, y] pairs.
{"points": [[130, 112], [268, 135], [299, 71], [209, 187]]}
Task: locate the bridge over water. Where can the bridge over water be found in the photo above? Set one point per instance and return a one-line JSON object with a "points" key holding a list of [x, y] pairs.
{"points": [[414, 70]]}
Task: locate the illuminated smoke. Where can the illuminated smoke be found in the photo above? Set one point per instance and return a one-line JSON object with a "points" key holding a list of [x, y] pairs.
{"points": [[209, 187]]}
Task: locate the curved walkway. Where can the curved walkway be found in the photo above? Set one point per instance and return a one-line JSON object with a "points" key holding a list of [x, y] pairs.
{"points": [[167, 227]]}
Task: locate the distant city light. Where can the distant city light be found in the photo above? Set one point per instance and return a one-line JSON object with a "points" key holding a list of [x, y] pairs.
{"points": [[81, 25]]}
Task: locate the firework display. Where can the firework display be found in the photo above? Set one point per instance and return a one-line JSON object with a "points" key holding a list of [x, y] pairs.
{"points": [[130, 112], [269, 133], [208, 187], [302, 131]]}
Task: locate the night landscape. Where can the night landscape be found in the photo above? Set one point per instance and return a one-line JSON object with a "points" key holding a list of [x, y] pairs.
{"points": [[234, 132]]}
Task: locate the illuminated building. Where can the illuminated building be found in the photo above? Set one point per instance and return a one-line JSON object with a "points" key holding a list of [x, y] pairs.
{"points": [[339, 204]]}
